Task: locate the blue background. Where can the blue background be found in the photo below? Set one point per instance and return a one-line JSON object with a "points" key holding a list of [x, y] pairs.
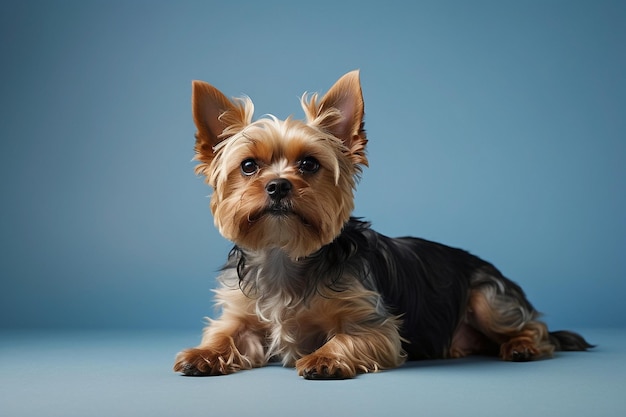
{"points": [[499, 127]]}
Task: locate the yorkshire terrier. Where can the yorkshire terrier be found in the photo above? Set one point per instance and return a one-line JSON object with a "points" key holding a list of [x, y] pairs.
{"points": [[310, 285]]}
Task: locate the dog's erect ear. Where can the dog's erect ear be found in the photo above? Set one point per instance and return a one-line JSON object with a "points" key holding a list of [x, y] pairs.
{"points": [[216, 117], [340, 112]]}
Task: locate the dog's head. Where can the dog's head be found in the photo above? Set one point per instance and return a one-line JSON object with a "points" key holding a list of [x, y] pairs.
{"points": [[284, 184]]}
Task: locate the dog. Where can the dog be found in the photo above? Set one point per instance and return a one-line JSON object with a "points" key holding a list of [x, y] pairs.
{"points": [[319, 290]]}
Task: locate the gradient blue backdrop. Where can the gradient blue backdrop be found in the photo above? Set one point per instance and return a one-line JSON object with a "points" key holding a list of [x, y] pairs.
{"points": [[496, 126]]}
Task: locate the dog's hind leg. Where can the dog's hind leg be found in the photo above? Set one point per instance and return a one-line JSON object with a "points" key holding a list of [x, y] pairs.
{"points": [[498, 308]]}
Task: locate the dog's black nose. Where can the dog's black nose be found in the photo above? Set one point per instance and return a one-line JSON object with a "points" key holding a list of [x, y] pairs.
{"points": [[278, 188]]}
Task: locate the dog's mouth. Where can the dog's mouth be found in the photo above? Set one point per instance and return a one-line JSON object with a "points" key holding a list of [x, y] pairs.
{"points": [[279, 210]]}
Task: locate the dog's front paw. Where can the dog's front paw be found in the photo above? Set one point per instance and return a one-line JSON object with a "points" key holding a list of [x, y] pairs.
{"points": [[207, 361], [316, 366]]}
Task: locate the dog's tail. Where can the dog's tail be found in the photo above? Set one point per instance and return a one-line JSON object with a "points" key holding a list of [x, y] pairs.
{"points": [[564, 340]]}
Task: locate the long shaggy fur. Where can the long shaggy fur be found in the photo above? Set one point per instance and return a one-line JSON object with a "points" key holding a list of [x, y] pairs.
{"points": [[319, 290]]}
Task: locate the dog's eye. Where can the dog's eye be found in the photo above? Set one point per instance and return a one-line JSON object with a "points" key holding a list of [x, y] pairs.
{"points": [[308, 165], [249, 167]]}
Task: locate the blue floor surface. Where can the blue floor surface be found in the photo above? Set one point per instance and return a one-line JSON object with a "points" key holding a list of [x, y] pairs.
{"points": [[129, 374]]}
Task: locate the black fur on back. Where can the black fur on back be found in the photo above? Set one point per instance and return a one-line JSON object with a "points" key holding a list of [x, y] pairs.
{"points": [[425, 282]]}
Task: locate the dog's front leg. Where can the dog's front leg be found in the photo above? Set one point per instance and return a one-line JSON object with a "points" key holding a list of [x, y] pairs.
{"points": [[231, 343], [360, 339]]}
